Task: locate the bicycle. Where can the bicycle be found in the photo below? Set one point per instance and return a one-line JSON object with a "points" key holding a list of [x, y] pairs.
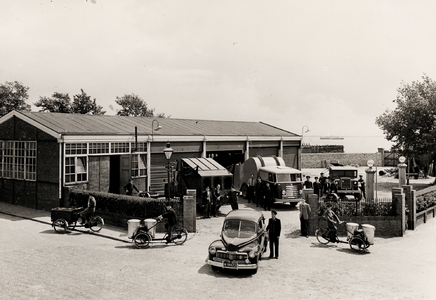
{"points": [[356, 239], [65, 218], [143, 236]]}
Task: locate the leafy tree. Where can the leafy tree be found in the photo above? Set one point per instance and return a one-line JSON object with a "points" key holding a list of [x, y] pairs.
{"points": [[82, 104], [411, 125], [59, 102], [132, 105], [13, 96]]}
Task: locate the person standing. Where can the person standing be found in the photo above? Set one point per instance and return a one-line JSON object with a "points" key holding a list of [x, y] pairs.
{"points": [[129, 187], [250, 188], [332, 186], [316, 187], [207, 202], [307, 184], [322, 181], [233, 197], [258, 191], [305, 211], [362, 186], [217, 200], [274, 227], [267, 196]]}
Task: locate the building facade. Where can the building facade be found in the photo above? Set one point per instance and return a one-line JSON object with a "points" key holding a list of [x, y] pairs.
{"points": [[42, 153]]}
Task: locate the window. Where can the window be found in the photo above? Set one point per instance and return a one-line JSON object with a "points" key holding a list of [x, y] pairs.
{"points": [[139, 165], [18, 160], [96, 148], [75, 169], [73, 148], [120, 147]]}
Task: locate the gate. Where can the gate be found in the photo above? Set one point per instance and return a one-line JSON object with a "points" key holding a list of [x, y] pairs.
{"points": [[390, 158]]}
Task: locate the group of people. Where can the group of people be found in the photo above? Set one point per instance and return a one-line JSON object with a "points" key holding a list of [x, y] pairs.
{"points": [[211, 200], [326, 185], [259, 192]]}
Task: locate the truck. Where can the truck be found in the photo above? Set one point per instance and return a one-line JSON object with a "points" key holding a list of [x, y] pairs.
{"points": [[285, 182], [346, 181]]}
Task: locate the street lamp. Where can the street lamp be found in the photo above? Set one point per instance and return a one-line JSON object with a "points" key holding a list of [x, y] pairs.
{"points": [[168, 152], [302, 130], [152, 128]]}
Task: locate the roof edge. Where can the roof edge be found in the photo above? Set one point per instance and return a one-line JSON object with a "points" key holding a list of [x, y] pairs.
{"points": [[32, 122]]}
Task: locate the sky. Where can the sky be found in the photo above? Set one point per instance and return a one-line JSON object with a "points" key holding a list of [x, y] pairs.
{"points": [[330, 66]]}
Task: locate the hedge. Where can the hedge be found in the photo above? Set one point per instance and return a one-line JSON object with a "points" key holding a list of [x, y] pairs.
{"points": [[122, 204]]}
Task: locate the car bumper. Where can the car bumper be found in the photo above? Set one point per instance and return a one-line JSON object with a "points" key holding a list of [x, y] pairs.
{"points": [[233, 265]]}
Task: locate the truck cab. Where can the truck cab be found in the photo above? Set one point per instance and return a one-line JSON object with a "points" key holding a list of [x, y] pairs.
{"points": [[285, 182], [346, 181]]}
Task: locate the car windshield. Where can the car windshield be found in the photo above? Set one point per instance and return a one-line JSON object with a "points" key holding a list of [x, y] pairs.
{"points": [[239, 229]]}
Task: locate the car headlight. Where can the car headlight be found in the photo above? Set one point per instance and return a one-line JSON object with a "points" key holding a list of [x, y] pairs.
{"points": [[251, 254], [283, 192], [212, 250]]}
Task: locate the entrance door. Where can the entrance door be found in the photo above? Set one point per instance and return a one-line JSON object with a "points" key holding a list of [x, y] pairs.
{"points": [[114, 169], [125, 165]]}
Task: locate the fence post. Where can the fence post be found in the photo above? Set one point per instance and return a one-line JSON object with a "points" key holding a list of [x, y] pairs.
{"points": [[312, 200], [411, 205], [190, 211], [399, 207]]}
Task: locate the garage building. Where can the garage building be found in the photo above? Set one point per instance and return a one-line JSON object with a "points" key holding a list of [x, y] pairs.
{"points": [[42, 153]]}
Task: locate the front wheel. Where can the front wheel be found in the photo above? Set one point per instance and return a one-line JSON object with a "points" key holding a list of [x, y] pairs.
{"points": [[96, 223], [179, 236], [60, 225], [142, 240], [322, 235], [357, 244]]}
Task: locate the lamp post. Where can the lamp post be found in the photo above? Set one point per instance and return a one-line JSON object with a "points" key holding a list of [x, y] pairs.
{"points": [[152, 128], [302, 130], [168, 152]]}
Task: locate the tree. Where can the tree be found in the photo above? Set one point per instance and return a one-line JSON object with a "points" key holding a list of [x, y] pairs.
{"points": [[13, 96], [82, 104], [411, 125], [132, 105], [59, 102]]}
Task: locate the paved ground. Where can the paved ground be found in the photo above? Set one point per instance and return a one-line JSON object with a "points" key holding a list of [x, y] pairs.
{"points": [[37, 263]]}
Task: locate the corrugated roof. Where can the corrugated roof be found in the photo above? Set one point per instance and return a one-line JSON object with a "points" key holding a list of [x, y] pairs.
{"points": [[79, 124], [206, 167]]}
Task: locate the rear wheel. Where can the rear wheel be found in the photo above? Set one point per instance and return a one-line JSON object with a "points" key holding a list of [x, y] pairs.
{"points": [[357, 244], [322, 236], [96, 223], [142, 240], [72, 225], [60, 225], [179, 236]]}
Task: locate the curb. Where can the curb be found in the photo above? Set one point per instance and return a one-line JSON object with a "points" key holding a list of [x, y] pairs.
{"points": [[78, 230]]}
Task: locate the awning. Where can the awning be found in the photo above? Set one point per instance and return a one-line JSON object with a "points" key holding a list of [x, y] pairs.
{"points": [[206, 167]]}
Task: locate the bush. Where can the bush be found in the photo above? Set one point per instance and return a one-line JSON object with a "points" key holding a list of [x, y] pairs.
{"points": [[425, 201], [347, 209]]}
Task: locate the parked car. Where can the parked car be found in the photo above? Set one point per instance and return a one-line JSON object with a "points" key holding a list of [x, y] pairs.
{"points": [[243, 241]]}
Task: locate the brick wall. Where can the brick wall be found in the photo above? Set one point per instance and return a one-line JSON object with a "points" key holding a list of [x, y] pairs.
{"points": [[322, 160], [385, 226]]}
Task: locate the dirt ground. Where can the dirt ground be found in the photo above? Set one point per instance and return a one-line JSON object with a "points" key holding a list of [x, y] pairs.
{"points": [[38, 263]]}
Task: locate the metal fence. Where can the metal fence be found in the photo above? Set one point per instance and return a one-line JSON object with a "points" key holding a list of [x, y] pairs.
{"points": [[364, 207]]}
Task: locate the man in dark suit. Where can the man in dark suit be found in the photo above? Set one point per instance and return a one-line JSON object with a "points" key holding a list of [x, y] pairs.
{"points": [[274, 227]]}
